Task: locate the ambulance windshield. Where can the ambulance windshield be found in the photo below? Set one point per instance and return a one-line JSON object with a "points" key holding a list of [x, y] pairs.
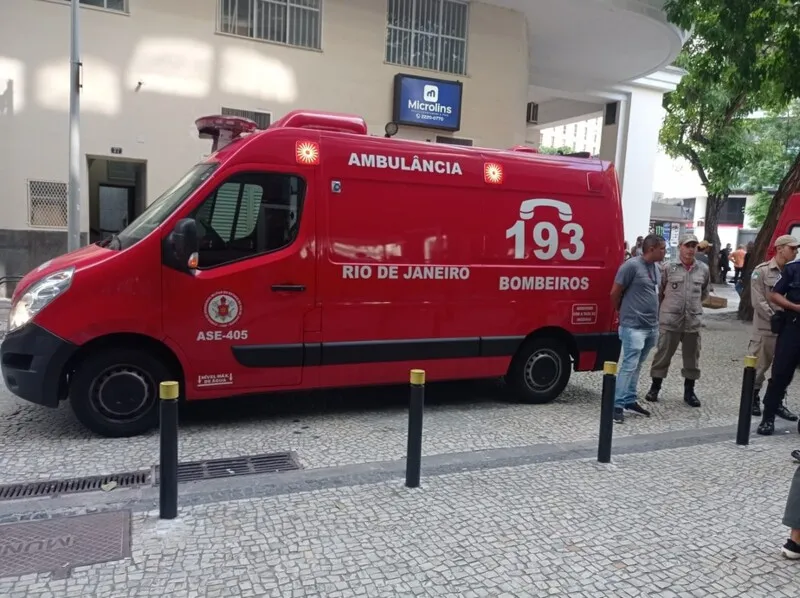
{"points": [[161, 208]]}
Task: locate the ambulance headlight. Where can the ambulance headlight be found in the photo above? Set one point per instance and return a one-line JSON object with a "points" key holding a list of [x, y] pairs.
{"points": [[37, 297]]}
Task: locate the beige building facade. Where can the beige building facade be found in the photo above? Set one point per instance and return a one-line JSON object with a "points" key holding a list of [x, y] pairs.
{"points": [[151, 67]]}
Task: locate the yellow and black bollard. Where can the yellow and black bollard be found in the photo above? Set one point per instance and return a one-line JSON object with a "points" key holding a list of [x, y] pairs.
{"points": [[168, 470], [414, 447], [746, 400], [607, 412]]}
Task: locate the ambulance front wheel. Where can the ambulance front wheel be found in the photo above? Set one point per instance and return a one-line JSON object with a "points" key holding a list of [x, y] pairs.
{"points": [[540, 371], [114, 392]]}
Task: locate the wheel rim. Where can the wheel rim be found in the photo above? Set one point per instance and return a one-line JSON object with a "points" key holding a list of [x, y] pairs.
{"points": [[543, 370], [122, 393]]}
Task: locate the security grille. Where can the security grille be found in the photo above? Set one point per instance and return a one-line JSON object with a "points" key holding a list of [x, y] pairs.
{"points": [[115, 5], [291, 22], [428, 34], [262, 119], [47, 204], [121, 172]]}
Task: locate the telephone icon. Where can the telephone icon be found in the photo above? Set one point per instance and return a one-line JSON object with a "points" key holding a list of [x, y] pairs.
{"points": [[546, 234], [527, 207]]}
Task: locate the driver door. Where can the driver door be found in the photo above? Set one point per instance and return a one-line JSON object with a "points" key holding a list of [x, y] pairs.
{"points": [[239, 318]]}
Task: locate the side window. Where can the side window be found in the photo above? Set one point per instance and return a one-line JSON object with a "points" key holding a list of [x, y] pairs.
{"points": [[248, 215], [795, 230]]}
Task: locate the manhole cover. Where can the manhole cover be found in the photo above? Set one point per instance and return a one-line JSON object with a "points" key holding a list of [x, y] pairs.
{"points": [[58, 545]]}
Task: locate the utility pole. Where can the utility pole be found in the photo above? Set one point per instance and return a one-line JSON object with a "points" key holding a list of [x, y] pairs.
{"points": [[74, 204]]}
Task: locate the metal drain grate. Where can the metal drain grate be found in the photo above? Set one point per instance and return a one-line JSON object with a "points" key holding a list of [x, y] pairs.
{"points": [[191, 471], [236, 466], [73, 485]]}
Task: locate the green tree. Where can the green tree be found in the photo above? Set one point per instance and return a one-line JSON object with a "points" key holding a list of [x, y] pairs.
{"points": [[556, 150], [776, 139], [758, 210], [705, 123], [756, 44]]}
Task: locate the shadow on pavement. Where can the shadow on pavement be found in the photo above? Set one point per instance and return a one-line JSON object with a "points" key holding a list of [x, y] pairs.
{"points": [[339, 401]]}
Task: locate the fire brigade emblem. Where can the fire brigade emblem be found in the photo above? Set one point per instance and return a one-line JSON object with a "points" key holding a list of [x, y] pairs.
{"points": [[223, 309]]}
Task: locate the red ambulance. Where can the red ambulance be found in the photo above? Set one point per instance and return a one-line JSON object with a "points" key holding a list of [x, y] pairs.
{"points": [[788, 223], [313, 254]]}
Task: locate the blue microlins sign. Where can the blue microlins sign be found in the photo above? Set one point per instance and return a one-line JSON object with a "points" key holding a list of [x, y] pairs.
{"points": [[429, 103]]}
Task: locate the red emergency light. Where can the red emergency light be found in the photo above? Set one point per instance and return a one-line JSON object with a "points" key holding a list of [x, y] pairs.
{"points": [[223, 129]]}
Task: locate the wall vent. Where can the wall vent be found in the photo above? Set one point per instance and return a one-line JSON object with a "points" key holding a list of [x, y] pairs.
{"points": [[262, 119]]}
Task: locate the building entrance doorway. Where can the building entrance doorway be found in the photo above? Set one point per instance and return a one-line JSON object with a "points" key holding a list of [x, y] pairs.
{"points": [[117, 194]]}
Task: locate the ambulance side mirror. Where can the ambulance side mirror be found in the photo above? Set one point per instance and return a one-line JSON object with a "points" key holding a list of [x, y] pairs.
{"points": [[182, 246]]}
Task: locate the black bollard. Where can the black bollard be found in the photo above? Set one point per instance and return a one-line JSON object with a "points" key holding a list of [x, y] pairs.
{"points": [[607, 412], [746, 400], [168, 471], [414, 449]]}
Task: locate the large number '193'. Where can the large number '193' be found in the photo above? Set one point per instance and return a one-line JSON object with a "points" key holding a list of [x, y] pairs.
{"points": [[545, 239]]}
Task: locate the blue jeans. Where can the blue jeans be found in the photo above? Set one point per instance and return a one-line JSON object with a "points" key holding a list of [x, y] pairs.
{"points": [[636, 346]]}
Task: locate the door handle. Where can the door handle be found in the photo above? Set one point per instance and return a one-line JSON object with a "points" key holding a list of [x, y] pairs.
{"points": [[288, 288]]}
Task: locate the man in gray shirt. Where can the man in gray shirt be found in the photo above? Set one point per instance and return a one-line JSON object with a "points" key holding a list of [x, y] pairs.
{"points": [[635, 296]]}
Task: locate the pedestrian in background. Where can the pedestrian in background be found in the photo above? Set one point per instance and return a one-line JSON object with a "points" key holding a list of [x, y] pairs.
{"points": [[725, 262], [737, 257], [637, 248], [635, 296], [684, 286], [786, 295], [762, 341]]}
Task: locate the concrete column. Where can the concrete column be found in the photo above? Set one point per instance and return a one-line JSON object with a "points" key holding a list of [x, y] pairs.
{"points": [[631, 142]]}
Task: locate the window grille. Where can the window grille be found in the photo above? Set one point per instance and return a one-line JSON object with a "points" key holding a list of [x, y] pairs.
{"points": [[428, 34], [47, 204], [291, 22]]}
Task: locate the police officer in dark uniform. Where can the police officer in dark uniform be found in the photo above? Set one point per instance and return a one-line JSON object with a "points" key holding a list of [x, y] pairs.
{"points": [[785, 294]]}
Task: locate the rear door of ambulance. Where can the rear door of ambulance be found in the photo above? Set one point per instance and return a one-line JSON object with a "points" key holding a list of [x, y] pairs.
{"points": [[564, 245]]}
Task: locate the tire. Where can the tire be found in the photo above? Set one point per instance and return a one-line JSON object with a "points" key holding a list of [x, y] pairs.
{"points": [[114, 392], [540, 370]]}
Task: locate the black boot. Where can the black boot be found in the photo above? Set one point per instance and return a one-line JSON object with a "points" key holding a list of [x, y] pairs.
{"points": [[767, 426], [756, 404], [783, 411], [652, 394], [688, 394]]}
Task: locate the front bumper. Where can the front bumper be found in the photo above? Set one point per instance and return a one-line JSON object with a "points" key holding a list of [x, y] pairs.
{"points": [[32, 362]]}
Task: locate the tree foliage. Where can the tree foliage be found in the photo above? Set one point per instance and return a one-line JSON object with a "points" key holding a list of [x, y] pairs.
{"points": [[705, 123], [758, 210], [753, 47], [776, 139], [564, 149]]}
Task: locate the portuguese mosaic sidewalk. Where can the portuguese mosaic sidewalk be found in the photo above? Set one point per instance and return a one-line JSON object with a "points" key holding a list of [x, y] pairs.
{"points": [[693, 522]]}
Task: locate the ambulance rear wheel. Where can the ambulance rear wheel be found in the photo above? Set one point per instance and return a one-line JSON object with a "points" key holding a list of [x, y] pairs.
{"points": [[540, 371], [114, 392]]}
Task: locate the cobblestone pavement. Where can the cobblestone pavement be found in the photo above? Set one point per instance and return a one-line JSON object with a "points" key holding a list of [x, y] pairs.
{"points": [[39, 443], [693, 522]]}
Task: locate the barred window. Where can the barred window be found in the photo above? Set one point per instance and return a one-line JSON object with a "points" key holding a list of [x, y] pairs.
{"points": [[47, 204], [292, 22], [428, 34], [115, 5]]}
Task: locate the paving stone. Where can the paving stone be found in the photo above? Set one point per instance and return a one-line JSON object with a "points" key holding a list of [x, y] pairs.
{"points": [[40, 443], [470, 534]]}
